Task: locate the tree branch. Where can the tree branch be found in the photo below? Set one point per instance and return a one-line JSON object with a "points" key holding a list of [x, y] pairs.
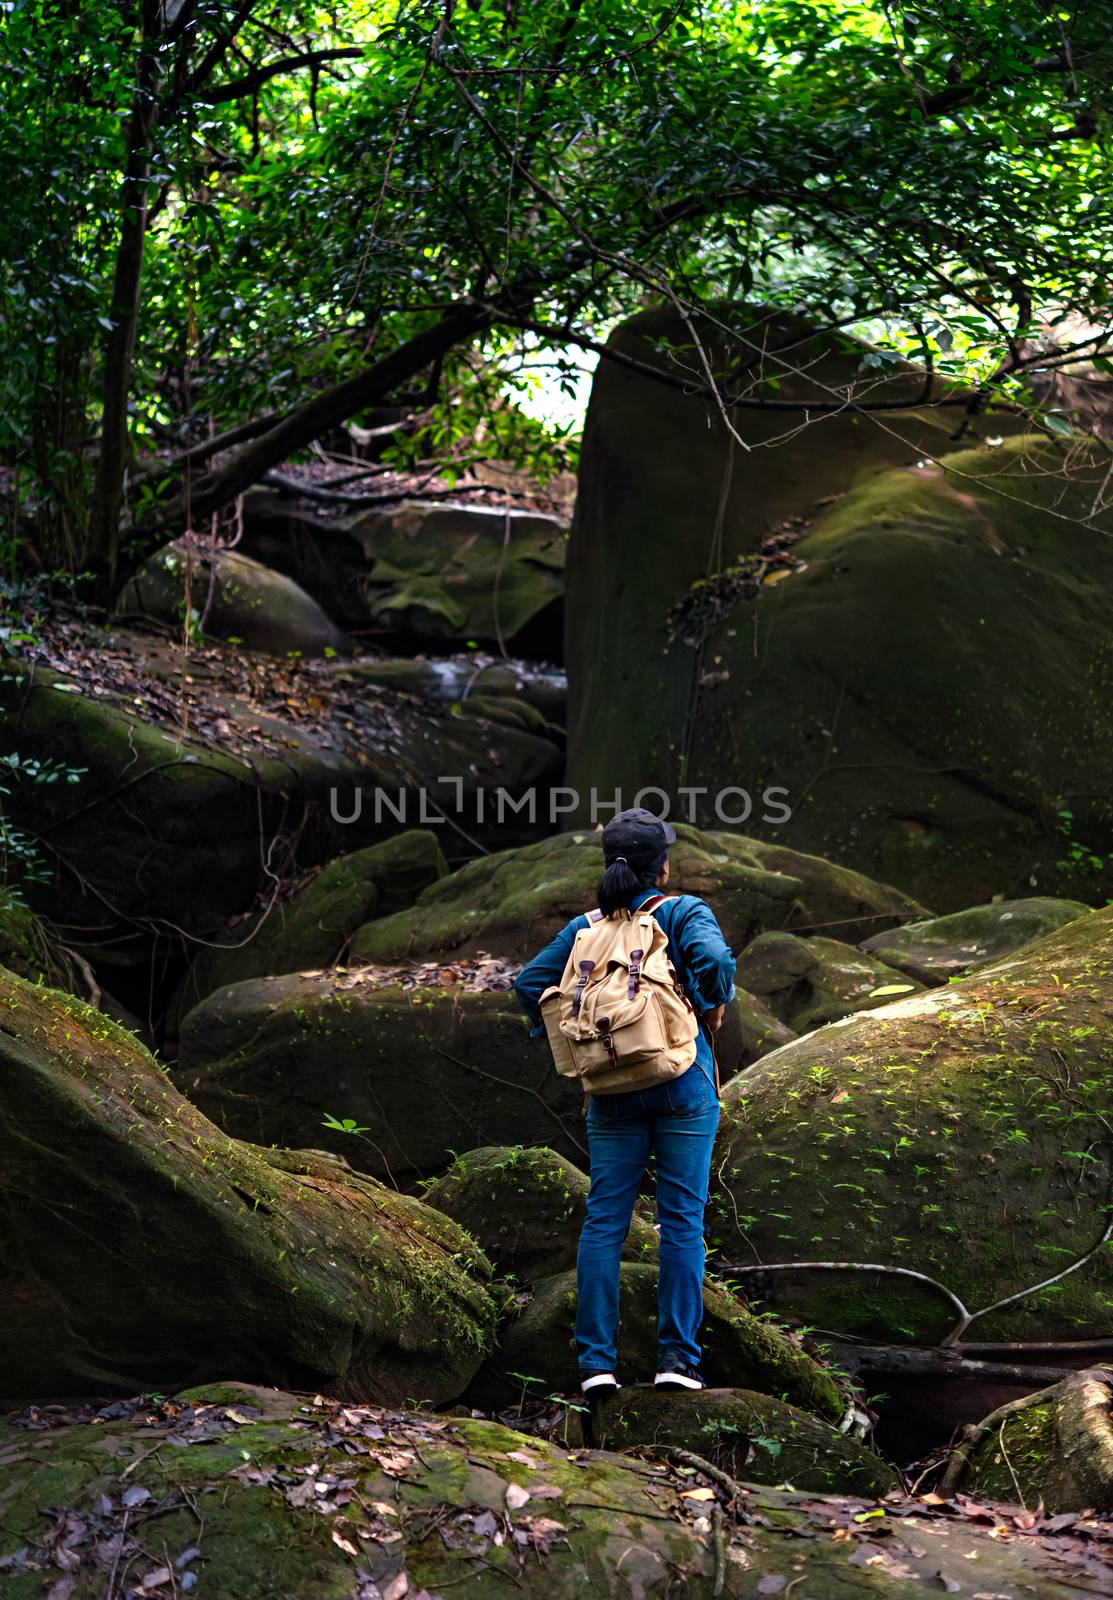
{"points": [[322, 411], [252, 82]]}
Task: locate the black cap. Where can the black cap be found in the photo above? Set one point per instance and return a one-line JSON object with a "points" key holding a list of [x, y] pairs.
{"points": [[638, 836]]}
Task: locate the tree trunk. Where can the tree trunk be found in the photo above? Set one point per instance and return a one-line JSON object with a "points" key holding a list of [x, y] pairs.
{"points": [[108, 485], [323, 411]]}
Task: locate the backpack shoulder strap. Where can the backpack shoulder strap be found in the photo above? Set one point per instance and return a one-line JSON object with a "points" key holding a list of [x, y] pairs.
{"points": [[655, 902], [594, 915]]}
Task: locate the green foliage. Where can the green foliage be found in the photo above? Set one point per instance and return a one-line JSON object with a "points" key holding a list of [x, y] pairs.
{"points": [[327, 180], [21, 858]]}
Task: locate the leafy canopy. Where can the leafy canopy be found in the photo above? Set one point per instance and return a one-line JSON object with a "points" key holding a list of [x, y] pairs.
{"points": [[326, 181]]}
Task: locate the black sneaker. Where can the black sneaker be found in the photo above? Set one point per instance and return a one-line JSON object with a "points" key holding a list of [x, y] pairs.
{"points": [[676, 1373], [598, 1383]]}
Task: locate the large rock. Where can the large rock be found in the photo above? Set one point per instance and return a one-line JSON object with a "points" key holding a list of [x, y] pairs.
{"points": [[525, 1208], [429, 571], [959, 1136], [536, 1355], [904, 684], [425, 1072], [754, 1437], [142, 1246], [311, 928], [1053, 1448], [946, 947], [232, 597], [749, 1031], [196, 766], [807, 982], [279, 1496], [512, 902]]}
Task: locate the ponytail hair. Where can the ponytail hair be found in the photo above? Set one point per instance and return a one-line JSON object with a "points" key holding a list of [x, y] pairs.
{"points": [[620, 882]]}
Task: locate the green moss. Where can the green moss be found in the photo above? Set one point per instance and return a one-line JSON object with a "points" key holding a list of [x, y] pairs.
{"points": [[511, 902], [905, 686], [407, 1500], [166, 1250], [961, 1134], [424, 1072], [526, 1208], [754, 1437], [311, 929]]}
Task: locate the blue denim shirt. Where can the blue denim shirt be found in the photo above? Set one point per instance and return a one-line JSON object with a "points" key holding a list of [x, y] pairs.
{"points": [[702, 958]]}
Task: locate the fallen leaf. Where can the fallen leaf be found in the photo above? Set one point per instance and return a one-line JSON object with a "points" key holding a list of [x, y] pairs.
{"points": [[156, 1579], [135, 1495], [697, 1494], [516, 1496]]}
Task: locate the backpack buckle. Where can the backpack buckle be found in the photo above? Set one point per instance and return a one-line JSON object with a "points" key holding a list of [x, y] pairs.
{"points": [[586, 969], [635, 973]]}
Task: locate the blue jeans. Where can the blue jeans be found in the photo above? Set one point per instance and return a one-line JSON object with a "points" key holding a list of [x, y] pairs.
{"points": [[676, 1122]]}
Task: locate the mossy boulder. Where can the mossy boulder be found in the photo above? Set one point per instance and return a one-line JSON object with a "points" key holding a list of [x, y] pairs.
{"points": [[142, 1246], [808, 982], [169, 827], [311, 928], [536, 1355], [460, 572], [280, 1495], [945, 947], [902, 681], [952, 1149], [429, 571], [425, 1072], [512, 902], [1053, 1448], [234, 597], [753, 1437], [525, 1207]]}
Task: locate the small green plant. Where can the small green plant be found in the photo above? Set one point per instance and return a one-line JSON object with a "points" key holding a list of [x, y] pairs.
{"points": [[343, 1124], [1080, 858]]}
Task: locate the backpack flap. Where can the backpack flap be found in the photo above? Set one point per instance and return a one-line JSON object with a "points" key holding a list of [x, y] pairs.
{"points": [[617, 1020]]}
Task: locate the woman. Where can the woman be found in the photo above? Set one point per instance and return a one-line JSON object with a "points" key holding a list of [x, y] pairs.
{"points": [[675, 1122]]}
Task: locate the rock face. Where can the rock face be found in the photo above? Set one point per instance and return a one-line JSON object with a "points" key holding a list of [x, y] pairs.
{"points": [[839, 681], [141, 1245], [749, 1031], [946, 947], [424, 1072], [536, 1356], [241, 600], [1053, 1448], [431, 572], [443, 1505], [961, 1134], [513, 902], [753, 1437], [525, 1208], [312, 927], [808, 982]]}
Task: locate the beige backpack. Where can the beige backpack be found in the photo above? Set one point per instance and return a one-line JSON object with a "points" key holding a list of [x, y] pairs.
{"points": [[618, 1019]]}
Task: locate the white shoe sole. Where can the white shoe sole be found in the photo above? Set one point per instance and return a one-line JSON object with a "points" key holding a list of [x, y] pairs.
{"points": [[604, 1380], [676, 1380]]}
